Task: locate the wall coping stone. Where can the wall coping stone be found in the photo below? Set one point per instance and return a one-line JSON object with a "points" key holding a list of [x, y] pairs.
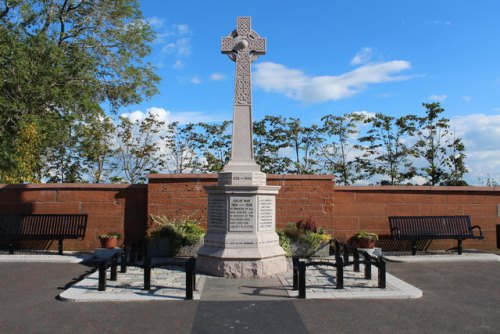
{"points": [[65, 186], [416, 189], [157, 177]]}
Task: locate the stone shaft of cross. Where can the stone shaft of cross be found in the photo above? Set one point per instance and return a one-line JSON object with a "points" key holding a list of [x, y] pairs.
{"points": [[243, 46]]}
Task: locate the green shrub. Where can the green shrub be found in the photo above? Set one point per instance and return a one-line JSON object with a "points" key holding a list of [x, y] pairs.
{"points": [[301, 237], [179, 232]]}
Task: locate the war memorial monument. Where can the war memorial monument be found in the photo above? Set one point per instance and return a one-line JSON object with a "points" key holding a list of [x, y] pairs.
{"points": [[241, 240]]}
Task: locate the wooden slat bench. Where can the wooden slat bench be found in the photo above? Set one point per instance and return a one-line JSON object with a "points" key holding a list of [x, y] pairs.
{"points": [[15, 228], [415, 228]]}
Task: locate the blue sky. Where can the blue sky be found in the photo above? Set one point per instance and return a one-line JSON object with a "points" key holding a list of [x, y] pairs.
{"points": [[335, 57]]}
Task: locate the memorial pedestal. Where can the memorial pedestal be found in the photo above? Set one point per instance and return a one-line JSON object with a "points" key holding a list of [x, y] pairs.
{"points": [[241, 240]]}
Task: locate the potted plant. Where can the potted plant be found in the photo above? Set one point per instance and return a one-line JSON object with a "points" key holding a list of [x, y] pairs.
{"points": [[110, 239], [305, 239], [366, 239]]}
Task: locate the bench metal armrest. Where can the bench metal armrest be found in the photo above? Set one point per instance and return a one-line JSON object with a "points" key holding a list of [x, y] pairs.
{"points": [[395, 231], [480, 231]]}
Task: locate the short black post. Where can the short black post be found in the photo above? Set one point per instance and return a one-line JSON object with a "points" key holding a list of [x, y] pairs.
{"points": [[114, 265], [123, 260], [356, 260], [346, 253], [459, 248], [133, 253], [381, 273], [295, 262], [368, 265], [340, 274], [302, 279], [102, 275], [60, 247], [190, 265], [498, 236], [11, 248], [413, 247], [147, 273]]}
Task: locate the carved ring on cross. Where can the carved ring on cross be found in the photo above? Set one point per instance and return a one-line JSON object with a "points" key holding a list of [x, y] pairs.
{"points": [[244, 44]]}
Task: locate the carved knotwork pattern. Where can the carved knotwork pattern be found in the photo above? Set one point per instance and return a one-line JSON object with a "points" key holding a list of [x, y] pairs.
{"points": [[243, 24], [242, 90], [227, 44], [243, 63], [258, 45]]}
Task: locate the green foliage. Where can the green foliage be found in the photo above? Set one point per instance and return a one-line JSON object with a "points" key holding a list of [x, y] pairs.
{"points": [[59, 62], [386, 150], [366, 235], [108, 235], [180, 232], [296, 240]]}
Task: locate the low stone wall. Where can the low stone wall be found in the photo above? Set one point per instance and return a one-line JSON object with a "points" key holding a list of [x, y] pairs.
{"points": [[367, 208], [340, 210], [300, 196], [119, 208]]}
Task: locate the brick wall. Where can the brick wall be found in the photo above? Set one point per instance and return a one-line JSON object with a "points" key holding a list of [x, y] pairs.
{"points": [[125, 208], [120, 208], [367, 208], [300, 196]]}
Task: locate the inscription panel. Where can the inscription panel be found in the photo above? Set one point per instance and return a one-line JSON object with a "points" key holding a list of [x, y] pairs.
{"points": [[241, 214], [267, 215], [217, 213]]}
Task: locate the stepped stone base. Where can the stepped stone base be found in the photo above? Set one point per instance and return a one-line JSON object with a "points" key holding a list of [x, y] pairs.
{"points": [[241, 268]]}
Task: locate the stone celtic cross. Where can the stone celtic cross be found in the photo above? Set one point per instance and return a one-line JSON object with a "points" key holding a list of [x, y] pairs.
{"points": [[243, 46]]}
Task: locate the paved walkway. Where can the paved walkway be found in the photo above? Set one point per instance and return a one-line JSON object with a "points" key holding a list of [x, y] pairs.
{"points": [[458, 297], [168, 283]]}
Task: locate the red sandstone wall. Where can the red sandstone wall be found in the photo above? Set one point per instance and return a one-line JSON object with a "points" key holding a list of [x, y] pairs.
{"points": [[367, 208], [300, 196], [124, 208], [120, 208]]}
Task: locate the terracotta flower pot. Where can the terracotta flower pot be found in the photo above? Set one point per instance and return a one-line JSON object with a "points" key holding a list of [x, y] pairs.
{"points": [[366, 243], [110, 242]]}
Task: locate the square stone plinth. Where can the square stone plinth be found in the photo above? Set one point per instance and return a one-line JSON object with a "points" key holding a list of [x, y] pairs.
{"points": [[242, 268]]}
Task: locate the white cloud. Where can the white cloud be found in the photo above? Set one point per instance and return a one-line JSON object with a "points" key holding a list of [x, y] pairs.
{"points": [[179, 64], [156, 22], [481, 135], [297, 85], [181, 47], [438, 97], [182, 117], [182, 29], [217, 76], [195, 80], [466, 98], [363, 56]]}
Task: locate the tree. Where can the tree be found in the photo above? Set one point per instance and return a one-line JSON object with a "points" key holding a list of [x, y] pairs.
{"points": [[337, 153], [443, 153], [181, 145], [215, 146], [269, 141], [388, 151], [96, 149], [61, 60], [138, 152]]}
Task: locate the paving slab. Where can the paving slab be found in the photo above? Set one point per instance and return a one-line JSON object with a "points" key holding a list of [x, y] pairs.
{"points": [[444, 257], [47, 257]]}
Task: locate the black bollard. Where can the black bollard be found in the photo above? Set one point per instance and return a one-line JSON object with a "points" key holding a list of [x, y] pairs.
{"points": [[356, 260], [295, 262], [381, 274], [102, 276], [190, 267], [368, 266], [123, 260], [340, 273], [302, 279], [114, 266], [147, 273]]}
